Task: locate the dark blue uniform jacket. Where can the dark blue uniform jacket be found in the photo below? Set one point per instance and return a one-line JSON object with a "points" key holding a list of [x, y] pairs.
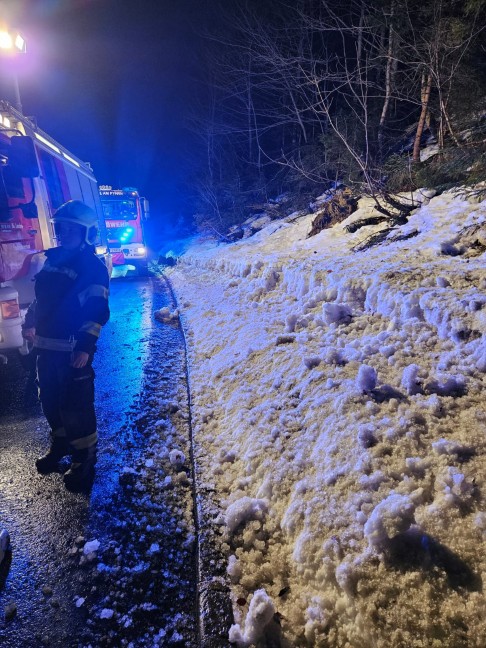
{"points": [[71, 299]]}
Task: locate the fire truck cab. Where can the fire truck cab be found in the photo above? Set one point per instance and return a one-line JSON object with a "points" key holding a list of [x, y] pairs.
{"points": [[37, 175]]}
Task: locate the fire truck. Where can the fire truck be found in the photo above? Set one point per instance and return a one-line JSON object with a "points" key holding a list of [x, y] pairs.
{"points": [[37, 176], [125, 213]]}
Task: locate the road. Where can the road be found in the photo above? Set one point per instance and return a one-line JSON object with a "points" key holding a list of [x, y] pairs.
{"points": [[140, 585]]}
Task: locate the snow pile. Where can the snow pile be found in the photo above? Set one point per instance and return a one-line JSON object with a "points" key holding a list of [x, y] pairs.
{"points": [[338, 410]]}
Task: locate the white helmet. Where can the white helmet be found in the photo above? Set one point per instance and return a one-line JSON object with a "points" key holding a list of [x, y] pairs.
{"points": [[75, 211]]}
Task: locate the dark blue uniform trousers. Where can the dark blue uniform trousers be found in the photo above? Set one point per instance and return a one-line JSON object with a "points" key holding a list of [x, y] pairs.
{"points": [[67, 398]]}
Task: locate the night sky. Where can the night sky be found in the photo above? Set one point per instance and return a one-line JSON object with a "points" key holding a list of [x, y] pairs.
{"points": [[112, 80]]}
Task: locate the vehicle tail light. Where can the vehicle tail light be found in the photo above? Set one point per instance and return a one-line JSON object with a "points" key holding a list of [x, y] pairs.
{"points": [[10, 309]]}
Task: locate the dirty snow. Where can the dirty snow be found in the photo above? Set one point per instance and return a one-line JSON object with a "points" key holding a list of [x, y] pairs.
{"points": [[338, 409]]}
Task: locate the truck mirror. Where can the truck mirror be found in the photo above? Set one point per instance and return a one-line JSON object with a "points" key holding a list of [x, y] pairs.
{"points": [[146, 208], [22, 158]]}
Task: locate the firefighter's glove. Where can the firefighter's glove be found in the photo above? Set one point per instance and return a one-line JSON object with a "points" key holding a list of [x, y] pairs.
{"points": [[28, 334]]}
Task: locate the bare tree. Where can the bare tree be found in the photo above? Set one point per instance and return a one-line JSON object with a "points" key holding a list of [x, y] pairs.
{"points": [[325, 91]]}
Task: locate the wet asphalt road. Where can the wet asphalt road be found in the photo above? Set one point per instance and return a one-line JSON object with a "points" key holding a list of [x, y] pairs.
{"points": [[138, 361]]}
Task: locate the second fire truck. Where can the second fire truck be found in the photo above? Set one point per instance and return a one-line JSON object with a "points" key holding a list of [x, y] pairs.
{"points": [[125, 214]]}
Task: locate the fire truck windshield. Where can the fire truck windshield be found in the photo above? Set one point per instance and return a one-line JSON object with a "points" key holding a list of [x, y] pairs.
{"points": [[119, 209]]}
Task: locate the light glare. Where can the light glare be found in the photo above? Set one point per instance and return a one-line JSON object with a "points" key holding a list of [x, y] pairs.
{"points": [[19, 43], [5, 40]]}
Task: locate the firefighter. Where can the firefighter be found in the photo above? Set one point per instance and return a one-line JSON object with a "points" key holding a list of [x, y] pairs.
{"points": [[64, 323]]}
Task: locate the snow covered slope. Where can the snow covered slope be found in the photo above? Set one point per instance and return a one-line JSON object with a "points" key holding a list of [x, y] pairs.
{"points": [[339, 411]]}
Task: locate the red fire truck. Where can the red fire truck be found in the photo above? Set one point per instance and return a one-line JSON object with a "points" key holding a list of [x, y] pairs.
{"points": [[37, 175], [125, 213]]}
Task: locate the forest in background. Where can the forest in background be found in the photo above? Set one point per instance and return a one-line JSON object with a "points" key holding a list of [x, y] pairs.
{"points": [[299, 97]]}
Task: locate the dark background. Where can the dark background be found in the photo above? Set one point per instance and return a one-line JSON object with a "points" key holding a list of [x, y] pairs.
{"points": [[112, 80]]}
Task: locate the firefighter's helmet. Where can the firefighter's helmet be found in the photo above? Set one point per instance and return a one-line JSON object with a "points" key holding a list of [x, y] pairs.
{"points": [[75, 211]]}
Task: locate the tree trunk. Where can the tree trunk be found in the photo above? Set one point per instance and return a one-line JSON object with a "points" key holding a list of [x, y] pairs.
{"points": [[425, 96], [391, 66]]}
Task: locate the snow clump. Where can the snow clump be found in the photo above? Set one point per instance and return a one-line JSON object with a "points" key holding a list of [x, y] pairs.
{"points": [[90, 547], [177, 458], [167, 316], [336, 313], [244, 509], [393, 515], [410, 379], [366, 378], [260, 613]]}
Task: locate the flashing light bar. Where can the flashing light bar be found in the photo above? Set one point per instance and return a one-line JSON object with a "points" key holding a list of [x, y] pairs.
{"points": [[47, 143], [68, 157]]}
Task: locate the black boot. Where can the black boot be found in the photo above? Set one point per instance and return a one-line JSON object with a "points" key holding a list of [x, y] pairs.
{"points": [[50, 462], [80, 476]]}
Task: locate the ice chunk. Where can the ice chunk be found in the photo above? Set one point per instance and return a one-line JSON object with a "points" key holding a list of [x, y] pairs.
{"points": [[91, 546]]}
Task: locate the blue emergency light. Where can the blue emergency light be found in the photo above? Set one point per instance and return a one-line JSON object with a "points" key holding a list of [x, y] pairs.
{"points": [[126, 234]]}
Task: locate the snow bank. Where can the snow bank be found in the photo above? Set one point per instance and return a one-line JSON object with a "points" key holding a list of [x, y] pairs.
{"points": [[338, 409]]}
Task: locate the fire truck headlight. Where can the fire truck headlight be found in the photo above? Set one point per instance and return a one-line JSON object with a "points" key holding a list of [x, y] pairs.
{"points": [[141, 250], [101, 249], [9, 309]]}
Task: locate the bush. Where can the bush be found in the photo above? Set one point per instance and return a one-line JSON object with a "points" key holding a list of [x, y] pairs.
{"points": [[451, 167], [398, 174]]}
